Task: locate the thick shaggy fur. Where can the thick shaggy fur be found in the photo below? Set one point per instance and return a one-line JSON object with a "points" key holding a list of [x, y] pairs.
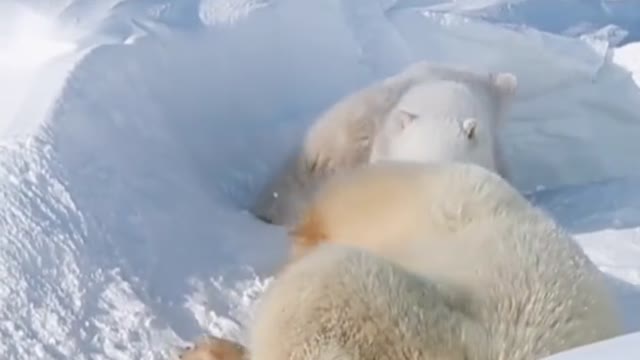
{"points": [[430, 262], [346, 303], [464, 226], [342, 137]]}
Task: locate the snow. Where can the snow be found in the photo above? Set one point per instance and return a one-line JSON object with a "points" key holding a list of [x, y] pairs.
{"points": [[628, 56], [622, 347], [619, 18], [134, 139], [33, 41]]}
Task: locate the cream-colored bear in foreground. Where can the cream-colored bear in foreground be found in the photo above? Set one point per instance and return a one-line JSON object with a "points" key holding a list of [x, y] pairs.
{"points": [[478, 273], [342, 137], [465, 226], [345, 303]]}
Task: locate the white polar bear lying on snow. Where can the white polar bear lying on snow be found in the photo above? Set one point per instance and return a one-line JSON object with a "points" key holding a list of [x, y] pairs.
{"points": [[455, 125], [410, 261], [342, 137]]}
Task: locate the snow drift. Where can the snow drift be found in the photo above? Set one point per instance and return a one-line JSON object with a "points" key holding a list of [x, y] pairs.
{"points": [[628, 56], [125, 178], [622, 347], [616, 20]]}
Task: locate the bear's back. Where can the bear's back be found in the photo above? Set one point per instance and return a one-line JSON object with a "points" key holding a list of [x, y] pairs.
{"points": [[466, 227], [356, 305]]}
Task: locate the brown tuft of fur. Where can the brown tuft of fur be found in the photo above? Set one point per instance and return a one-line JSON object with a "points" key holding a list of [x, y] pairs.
{"points": [[354, 208], [307, 234], [214, 348]]}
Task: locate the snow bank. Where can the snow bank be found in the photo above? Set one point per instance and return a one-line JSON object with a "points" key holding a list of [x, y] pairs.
{"points": [[605, 216], [628, 56], [28, 41], [566, 113], [129, 195], [617, 20], [124, 185], [621, 348]]}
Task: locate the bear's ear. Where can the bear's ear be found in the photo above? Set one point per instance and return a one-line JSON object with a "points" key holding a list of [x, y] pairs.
{"points": [[506, 83], [469, 127], [402, 118]]}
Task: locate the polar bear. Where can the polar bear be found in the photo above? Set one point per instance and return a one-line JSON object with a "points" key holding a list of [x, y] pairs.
{"points": [[454, 125], [430, 261], [463, 225], [341, 302], [342, 137]]}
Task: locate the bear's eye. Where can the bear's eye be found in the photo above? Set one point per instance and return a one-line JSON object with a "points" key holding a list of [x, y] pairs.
{"points": [[471, 134], [469, 128]]}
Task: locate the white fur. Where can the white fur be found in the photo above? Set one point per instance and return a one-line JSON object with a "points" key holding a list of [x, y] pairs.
{"points": [[447, 121], [344, 303], [460, 225], [341, 138]]}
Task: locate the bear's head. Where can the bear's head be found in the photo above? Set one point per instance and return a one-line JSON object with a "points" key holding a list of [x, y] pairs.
{"points": [[443, 120]]}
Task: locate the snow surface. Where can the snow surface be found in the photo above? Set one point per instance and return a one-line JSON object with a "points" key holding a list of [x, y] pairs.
{"points": [[617, 20], [134, 139], [628, 56], [622, 347]]}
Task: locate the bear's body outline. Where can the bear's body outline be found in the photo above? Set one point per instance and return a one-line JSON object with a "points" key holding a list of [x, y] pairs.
{"points": [[341, 137], [467, 227], [505, 307]]}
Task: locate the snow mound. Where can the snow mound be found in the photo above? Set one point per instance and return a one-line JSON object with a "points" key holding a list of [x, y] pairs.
{"points": [[620, 348], [566, 17], [28, 41], [628, 56], [605, 218], [125, 179]]}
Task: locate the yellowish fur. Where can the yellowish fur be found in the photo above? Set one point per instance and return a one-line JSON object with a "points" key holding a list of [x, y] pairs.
{"points": [[214, 348], [464, 226], [424, 262], [346, 303], [343, 303]]}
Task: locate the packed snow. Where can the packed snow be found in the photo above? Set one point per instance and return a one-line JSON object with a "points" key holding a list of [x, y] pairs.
{"points": [[134, 135], [617, 20], [622, 347], [628, 56]]}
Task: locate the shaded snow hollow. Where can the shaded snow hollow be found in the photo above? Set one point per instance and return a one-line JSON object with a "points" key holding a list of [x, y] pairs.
{"points": [[127, 162]]}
